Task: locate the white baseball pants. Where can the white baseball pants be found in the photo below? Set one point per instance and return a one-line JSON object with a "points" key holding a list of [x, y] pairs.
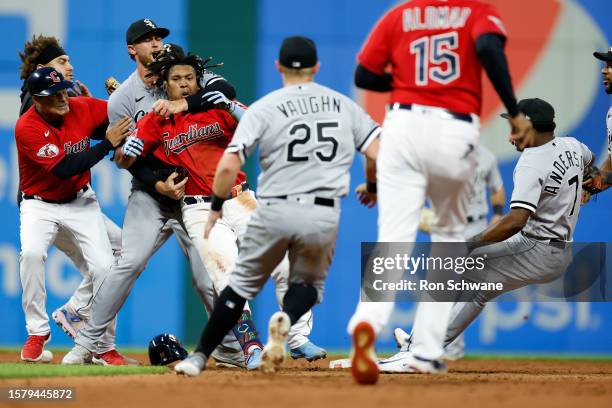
{"points": [[424, 153]]}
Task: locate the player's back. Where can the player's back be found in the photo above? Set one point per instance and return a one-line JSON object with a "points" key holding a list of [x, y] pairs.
{"points": [[430, 45], [555, 169], [309, 140]]}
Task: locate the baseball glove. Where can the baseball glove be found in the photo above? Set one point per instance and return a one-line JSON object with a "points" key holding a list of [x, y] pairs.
{"points": [[593, 182], [111, 84]]}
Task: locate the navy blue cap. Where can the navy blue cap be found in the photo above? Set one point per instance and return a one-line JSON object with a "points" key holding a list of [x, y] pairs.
{"points": [[46, 81]]}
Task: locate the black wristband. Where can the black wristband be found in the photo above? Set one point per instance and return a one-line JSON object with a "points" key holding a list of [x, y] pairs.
{"points": [[216, 203], [371, 187], [498, 209]]}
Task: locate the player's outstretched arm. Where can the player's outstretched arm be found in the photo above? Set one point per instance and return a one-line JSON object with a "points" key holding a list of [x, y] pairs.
{"points": [[509, 225], [367, 192]]}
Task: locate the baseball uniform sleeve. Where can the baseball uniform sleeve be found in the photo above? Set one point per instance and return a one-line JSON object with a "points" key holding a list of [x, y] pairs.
{"points": [[45, 151], [147, 130], [249, 131], [494, 179], [118, 106], [376, 52], [587, 155], [365, 130], [487, 21], [528, 184], [98, 111]]}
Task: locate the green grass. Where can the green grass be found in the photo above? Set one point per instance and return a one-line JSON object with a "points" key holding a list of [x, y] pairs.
{"points": [[25, 370]]}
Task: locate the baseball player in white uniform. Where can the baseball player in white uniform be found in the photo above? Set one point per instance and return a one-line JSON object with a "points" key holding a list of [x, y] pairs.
{"points": [[532, 243], [427, 146], [488, 185], [307, 135]]}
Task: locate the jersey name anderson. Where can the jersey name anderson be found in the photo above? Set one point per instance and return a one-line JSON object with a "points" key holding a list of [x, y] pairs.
{"points": [[435, 18], [310, 105], [565, 161]]}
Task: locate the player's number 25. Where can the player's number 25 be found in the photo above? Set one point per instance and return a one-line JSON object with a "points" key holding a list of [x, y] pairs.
{"points": [[303, 132], [434, 59]]}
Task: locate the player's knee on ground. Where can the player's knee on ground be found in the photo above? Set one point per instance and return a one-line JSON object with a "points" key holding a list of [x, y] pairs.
{"points": [[299, 299]]}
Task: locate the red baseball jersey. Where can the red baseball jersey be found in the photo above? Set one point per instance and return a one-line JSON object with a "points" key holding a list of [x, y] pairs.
{"points": [[430, 47], [41, 145], [195, 141]]}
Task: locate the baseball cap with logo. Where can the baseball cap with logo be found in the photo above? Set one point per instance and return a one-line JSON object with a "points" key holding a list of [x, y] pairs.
{"points": [[142, 27], [297, 53], [538, 111], [46, 81], [604, 56]]}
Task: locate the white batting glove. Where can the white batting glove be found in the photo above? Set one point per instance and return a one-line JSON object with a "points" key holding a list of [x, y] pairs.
{"points": [[133, 146], [217, 98]]}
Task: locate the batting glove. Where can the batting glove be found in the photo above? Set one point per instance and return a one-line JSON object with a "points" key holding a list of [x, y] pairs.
{"points": [[133, 146]]}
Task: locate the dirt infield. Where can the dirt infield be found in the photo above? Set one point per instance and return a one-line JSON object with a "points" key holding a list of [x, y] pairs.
{"points": [[470, 383]]}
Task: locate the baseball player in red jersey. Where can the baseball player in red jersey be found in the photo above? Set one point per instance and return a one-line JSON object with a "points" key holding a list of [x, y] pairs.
{"points": [[53, 147], [436, 50]]}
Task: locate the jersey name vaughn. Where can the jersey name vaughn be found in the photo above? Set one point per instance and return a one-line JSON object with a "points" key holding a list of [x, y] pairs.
{"points": [[309, 105]]}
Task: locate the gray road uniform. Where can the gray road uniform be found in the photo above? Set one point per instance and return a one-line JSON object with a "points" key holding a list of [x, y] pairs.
{"points": [[547, 182], [149, 221], [307, 135], [487, 180]]}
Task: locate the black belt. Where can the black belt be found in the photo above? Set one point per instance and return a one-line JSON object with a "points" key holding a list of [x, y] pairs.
{"points": [[61, 201], [461, 116], [557, 243], [189, 200], [327, 202], [471, 219]]}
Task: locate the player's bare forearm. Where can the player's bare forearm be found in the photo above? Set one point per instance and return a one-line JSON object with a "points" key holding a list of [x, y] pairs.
{"points": [[372, 151], [227, 170], [507, 226], [498, 197]]}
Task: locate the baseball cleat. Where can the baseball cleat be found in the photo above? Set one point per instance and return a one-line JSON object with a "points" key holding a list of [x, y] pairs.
{"points": [[228, 359], [113, 358], [402, 339], [34, 349], [253, 360], [309, 351], [405, 362], [274, 352], [192, 366], [363, 357], [78, 355], [69, 323]]}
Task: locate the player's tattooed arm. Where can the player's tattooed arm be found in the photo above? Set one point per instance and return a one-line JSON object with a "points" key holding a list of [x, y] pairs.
{"points": [[509, 225]]}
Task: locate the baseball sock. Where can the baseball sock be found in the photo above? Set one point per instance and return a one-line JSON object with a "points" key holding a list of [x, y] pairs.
{"points": [[246, 332], [299, 299], [228, 309]]}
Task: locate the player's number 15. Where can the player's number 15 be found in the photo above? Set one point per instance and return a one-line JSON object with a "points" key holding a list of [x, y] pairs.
{"points": [[434, 59]]}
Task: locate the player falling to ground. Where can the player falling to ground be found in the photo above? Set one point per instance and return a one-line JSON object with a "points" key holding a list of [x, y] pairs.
{"points": [[487, 185], [153, 210], [196, 142], [533, 241], [437, 50], [55, 158], [43, 51], [307, 135]]}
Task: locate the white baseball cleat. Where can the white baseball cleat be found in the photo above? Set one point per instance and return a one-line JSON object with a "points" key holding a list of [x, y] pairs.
{"points": [[405, 362], [192, 366], [402, 339], [78, 355], [274, 352]]}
